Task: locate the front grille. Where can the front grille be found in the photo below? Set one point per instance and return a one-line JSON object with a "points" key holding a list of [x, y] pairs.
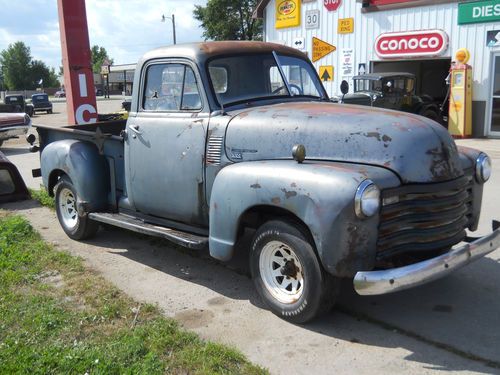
{"points": [[424, 219]]}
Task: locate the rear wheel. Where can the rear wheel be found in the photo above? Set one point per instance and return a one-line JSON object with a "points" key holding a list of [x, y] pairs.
{"points": [[76, 226], [287, 273], [49, 111]]}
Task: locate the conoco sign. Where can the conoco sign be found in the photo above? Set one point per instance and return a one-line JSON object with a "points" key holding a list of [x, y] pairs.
{"points": [[411, 44]]}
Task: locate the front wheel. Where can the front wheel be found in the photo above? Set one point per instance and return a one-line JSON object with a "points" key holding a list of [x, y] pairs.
{"points": [[76, 226], [287, 273]]}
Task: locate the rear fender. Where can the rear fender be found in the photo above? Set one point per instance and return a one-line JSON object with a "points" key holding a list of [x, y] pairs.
{"points": [[82, 163], [321, 195]]}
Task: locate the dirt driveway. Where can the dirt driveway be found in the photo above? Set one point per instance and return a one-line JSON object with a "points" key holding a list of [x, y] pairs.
{"points": [[448, 325]]}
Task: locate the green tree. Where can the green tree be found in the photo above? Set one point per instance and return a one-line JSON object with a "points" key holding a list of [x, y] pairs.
{"points": [[16, 66], [99, 55], [40, 71], [229, 20], [21, 72]]}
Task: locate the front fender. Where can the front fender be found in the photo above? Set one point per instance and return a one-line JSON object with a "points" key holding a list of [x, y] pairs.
{"points": [[87, 170], [320, 194]]}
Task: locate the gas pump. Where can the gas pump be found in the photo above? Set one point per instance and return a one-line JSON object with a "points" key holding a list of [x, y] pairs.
{"points": [[460, 109]]}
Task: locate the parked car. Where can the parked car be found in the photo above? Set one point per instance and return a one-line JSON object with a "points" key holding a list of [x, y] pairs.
{"points": [[60, 94], [16, 103], [12, 125], [12, 186], [41, 102], [392, 91], [227, 137]]}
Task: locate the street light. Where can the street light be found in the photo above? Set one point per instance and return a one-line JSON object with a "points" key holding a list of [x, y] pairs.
{"points": [[164, 17]]}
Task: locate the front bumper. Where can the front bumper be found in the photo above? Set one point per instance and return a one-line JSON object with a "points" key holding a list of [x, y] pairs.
{"points": [[396, 279]]}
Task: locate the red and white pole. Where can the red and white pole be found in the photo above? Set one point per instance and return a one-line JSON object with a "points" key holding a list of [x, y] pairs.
{"points": [[77, 65]]}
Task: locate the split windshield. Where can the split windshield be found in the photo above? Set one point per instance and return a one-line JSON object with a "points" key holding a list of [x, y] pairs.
{"points": [[367, 85], [239, 79]]}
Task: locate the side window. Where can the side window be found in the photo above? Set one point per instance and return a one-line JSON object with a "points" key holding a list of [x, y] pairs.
{"points": [[171, 87]]}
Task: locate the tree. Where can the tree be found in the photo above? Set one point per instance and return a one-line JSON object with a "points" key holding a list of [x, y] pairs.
{"points": [[99, 55], [41, 72], [229, 20], [21, 72], [16, 66]]}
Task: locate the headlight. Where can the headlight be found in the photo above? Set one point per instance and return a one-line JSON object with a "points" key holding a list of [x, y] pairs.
{"points": [[483, 168], [367, 199]]}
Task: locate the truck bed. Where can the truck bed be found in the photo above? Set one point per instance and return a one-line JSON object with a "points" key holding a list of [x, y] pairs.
{"points": [[106, 135]]}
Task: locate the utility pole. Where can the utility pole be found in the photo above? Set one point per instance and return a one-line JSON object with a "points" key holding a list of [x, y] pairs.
{"points": [[164, 17]]}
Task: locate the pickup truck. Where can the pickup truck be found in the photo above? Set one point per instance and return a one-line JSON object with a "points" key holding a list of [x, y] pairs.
{"points": [[224, 138]]}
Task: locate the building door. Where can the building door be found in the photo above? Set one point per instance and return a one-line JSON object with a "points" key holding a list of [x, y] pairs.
{"points": [[494, 123]]}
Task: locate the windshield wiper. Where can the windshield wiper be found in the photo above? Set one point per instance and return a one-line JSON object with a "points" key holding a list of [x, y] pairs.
{"points": [[283, 77]]}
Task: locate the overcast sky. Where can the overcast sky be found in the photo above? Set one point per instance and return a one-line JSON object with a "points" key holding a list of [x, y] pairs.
{"points": [[126, 28]]}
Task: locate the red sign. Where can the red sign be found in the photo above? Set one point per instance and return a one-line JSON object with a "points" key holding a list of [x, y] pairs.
{"points": [[78, 77], [388, 2], [332, 5], [411, 44]]}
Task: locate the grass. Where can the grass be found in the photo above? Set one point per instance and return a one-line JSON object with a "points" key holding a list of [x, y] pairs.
{"points": [[59, 317], [43, 197]]}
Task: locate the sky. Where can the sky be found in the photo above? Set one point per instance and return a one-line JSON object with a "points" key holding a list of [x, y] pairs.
{"points": [[126, 28]]}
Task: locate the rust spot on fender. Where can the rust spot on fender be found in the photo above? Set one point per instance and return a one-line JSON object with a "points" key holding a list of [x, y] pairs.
{"points": [[289, 193], [276, 200]]}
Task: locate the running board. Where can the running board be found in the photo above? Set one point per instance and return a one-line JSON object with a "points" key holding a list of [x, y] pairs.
{"points": [[188, 240]]}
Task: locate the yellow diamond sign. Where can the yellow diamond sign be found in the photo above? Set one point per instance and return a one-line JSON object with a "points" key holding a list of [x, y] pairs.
{"points": [[321, 49]]}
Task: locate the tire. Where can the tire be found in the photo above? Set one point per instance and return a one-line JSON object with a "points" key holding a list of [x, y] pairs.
{"points": [[429, 113], [76, 226], [49, 112], [280, 248]]}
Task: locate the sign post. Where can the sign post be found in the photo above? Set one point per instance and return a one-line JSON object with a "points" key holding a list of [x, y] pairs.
{"points": [[78, 76]]}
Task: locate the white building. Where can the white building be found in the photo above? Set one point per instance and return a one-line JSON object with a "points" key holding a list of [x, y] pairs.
{"points": [[428, 35]]}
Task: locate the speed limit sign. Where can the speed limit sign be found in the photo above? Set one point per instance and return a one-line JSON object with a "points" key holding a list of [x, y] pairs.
{"points": [[312, 19]]}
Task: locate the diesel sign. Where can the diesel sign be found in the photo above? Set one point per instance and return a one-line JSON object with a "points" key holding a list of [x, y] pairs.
{"points": [[411, 44]]}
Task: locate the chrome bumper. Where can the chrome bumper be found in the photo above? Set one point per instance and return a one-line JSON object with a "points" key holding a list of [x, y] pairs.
{"points": [[396, 279]]}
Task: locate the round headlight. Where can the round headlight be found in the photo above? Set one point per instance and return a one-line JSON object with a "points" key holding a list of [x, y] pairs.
{"points": [[367, 199], [483, 168]]}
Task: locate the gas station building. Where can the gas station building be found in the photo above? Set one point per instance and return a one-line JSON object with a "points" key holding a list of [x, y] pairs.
{"points": [[351, 37]]}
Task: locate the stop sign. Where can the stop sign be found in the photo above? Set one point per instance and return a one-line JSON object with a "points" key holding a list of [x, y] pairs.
{"points": [[332, 5]]}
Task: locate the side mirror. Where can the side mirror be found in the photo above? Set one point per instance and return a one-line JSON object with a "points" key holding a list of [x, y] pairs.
{"points": [[344, 87]]}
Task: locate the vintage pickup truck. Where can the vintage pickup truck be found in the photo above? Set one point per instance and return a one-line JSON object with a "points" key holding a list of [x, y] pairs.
{"points": [[227, 137]]}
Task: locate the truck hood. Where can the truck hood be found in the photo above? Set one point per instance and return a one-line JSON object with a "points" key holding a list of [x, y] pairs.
{"points": [[417, 149], [358, 98]]}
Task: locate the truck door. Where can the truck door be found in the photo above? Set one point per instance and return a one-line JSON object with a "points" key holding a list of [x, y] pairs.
{"points": [[166, 142]]}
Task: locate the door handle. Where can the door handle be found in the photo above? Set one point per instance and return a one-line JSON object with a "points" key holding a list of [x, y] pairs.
{"points": [[135, 129]]}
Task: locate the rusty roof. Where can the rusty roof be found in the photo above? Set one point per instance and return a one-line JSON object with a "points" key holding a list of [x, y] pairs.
{"points": [[205, 50]]}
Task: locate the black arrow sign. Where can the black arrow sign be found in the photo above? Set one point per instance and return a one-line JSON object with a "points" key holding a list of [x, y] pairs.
{"points": [[325, 76], [298, 42]]}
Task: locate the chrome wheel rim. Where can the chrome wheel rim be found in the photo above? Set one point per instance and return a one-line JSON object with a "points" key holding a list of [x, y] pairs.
{"points": [[281, 272], [67, 208]]}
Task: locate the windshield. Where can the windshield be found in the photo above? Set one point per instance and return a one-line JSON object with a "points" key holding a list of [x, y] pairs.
{"points": [[237, 79], [40, 98], [367, 85]]}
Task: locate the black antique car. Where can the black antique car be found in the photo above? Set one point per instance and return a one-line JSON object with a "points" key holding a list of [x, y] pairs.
{"points": [[16, 103], [41, 102], [392, 91]]}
